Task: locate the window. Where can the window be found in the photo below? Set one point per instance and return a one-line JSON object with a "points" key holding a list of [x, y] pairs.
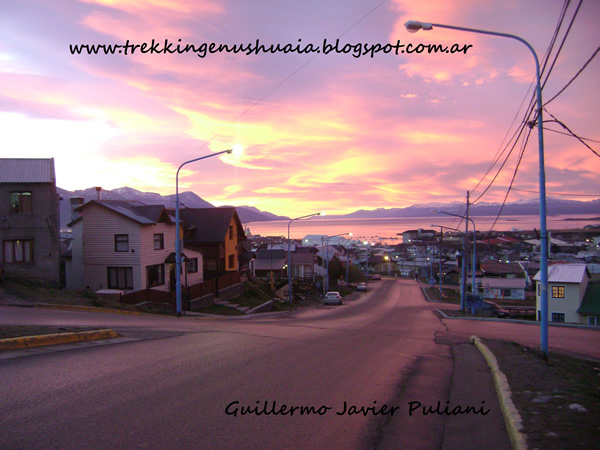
{"points": [[155, 275], [506, 293], [121, 242], [192, 265], [231, 262], [558, 317], [539, 289], [18, 251], [230, 231], [120, 277], [594, 320], [558, 292], [20, 203], [159, 241]]}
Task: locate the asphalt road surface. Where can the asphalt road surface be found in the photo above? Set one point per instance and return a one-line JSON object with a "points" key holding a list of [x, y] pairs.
{"points": [[203, 383]]}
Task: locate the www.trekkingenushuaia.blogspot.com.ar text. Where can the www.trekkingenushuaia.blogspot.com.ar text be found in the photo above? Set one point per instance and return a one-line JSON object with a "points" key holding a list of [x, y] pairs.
{"points": [[357, 50]]}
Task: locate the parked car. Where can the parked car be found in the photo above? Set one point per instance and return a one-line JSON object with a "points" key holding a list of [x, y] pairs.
{"points": [[361, 287], [497, 310], [333, 297], [374, 277]]}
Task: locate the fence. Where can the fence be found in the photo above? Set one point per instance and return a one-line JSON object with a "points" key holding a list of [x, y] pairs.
{"points": [[191, 292]]}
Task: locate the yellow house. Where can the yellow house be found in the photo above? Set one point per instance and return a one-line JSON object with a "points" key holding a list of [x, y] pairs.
{"points": [[218, 234]]}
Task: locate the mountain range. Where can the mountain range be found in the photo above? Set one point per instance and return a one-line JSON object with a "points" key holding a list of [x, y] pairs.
{"points": [[249, 214], [186, 199]]}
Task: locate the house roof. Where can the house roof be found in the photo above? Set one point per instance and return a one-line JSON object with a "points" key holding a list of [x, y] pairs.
{"points": [[204, 225], [24, 170], [501, 268], [134, 210], [565, 273], [502, 283], [591, 300], [270, 254], [304, 255], [267, 264]]}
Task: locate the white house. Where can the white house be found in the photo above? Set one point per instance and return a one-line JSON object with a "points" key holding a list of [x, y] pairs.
{"points": [[567, 284], [502, 288], [128, 246]]}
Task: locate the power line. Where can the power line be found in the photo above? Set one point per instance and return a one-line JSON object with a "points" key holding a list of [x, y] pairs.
{"points": [[557, 193], [531, 109], [521, 153], [575, 76], [573, 134], [282, 82]]}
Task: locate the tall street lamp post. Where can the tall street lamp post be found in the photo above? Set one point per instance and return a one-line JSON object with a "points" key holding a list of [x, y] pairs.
{"points": [[414, 26], [178, 237], [474, 263], [290, 254], [441, 238]]}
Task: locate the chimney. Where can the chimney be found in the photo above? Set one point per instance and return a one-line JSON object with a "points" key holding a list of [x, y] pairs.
{"points": [[98, 193], [75, 203]]}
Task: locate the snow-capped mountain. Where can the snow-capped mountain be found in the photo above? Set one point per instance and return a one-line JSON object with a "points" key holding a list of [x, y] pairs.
{"points": [[186, 199]]}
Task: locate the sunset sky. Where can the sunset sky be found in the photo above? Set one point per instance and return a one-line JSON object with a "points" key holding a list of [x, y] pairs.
{"points": [[320, 132]]}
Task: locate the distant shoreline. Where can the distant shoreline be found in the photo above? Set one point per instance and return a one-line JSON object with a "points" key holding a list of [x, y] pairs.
{"points": [[583, 218]]}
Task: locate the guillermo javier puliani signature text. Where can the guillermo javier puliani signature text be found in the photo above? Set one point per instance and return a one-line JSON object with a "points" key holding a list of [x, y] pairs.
{"points": [[413, 408]]}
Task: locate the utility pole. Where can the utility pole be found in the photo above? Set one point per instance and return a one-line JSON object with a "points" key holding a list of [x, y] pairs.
{"points": [[466, 264]]}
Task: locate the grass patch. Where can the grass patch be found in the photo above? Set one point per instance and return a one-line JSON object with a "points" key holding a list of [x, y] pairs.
{"points": [[448, 295], [40, 294]]}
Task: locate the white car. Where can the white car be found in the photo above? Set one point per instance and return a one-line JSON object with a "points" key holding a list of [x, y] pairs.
{"points": [[333, 297]]}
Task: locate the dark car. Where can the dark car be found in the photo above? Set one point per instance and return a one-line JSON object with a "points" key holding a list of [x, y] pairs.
{"points": [[374, 277], [497, 310]]}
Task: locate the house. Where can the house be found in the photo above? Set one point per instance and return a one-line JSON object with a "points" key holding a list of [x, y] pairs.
{"points": [[218, 234], [270, 262], [567, 284], [127, 246], [303, 262], [29, 220], [502, 288], [409, 236], [589, 311]]}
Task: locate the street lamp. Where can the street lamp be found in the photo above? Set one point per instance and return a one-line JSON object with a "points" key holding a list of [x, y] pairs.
{"points": [[327, 256], [236, 149], [290, 253], [474, 263], [441, 238], [414, 26]]}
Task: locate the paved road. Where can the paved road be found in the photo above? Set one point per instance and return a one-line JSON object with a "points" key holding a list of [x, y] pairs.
{"points": [[196, 383]]}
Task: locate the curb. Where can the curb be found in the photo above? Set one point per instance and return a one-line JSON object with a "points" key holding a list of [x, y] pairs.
{"points": [[56, 338], [512, 418], [86, 309]]}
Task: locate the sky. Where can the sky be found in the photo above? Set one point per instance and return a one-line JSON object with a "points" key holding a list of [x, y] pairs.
{"points": [[320, 131]]}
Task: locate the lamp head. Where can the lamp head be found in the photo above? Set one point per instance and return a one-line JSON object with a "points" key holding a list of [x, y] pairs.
{"points": [[412, 26], [237, 150]]}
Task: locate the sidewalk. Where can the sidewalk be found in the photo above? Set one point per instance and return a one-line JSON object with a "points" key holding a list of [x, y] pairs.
{"points": [[472, 383]]}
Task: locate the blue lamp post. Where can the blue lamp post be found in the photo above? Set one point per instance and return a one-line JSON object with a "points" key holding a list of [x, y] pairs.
{"points": [[474, 263], [414, 26], [441, 237], [290, 254], [178, 237]]}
